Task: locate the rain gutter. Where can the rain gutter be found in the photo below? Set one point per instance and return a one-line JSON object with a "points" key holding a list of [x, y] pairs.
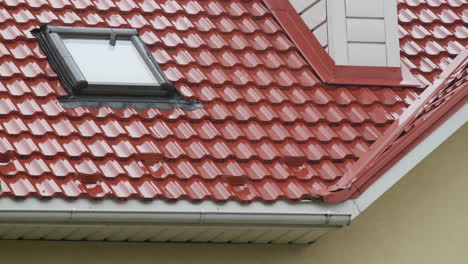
{"points": [[182, 212]]}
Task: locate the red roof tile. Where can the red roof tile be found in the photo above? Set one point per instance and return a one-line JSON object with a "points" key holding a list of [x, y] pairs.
{"points": [[432, 33], [268, 129]]}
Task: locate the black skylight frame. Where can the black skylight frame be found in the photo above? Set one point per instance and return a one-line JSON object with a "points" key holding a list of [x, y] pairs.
{"points": [[50, 39]]}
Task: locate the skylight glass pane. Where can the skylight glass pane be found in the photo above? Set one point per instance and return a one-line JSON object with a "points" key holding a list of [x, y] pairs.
{"points": [[102, 63]]}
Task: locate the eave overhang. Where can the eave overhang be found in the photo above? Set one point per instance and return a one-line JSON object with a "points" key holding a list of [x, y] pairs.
{"points": [[163, 221]]}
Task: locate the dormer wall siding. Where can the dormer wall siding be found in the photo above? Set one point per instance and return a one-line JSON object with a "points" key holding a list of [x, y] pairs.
{"points": [[354, 32]]}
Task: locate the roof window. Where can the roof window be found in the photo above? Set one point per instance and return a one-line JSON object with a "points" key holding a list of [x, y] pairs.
{"points": [[107, 65]]}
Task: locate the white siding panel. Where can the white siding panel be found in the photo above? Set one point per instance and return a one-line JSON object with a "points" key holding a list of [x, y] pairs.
{"points": [[187, 235], [366, 30], [266, 237], [15, 233], [321, 33], [227, 235], [337, 37], [315, 15], [367, 54], [270, 237], [79, 233], [123, 234], [345, 28], [36, 232], [57, 232], [300, 5], [101, 233], [221, 234], [391, 30], [143, 234], [249, 235], [291, 235], [308, 237], [365, 8], [208, 234], [155, 234], [167, 234]]}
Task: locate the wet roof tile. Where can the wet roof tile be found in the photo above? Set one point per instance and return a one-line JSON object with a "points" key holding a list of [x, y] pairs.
{"points": [[268, 129], [432, 34]]}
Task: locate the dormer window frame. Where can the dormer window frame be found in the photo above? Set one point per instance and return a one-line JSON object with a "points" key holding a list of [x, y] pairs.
{"points": [[51, 41]]}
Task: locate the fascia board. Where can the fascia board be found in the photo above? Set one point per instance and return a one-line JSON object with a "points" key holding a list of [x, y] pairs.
{"points": [[411, 159]]}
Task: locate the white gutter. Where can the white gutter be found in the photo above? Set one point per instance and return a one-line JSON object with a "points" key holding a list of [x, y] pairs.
{"points": [[197, 218], [182, 212], [281, 222]]}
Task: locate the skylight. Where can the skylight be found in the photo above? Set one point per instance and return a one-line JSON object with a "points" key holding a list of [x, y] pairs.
{"points": [[103, 61]]}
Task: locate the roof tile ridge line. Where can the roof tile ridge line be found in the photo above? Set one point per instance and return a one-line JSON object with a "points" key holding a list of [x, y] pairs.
{"points": [[398, 126], [306, 42], [403, 145]]}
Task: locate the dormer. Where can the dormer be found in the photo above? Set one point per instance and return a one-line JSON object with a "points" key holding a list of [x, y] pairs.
{"points": [[354, 32]]}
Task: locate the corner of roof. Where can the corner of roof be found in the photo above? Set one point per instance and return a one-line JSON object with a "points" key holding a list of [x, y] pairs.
{"points": [[374, 163]]}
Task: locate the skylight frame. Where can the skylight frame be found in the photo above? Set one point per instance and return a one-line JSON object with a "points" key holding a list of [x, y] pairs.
{"points": [[51, 41]]}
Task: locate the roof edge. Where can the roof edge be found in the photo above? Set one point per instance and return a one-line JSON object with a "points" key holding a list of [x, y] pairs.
{"points": [[282, 222], [309, 213], [400, 165], [369, 165]]}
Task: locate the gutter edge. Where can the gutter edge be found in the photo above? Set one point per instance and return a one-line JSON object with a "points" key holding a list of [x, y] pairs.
{"points": [[300, 214]]}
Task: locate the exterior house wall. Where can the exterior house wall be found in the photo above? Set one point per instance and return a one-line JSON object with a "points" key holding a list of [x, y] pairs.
{"points": [[354, 32], [422, 219]]}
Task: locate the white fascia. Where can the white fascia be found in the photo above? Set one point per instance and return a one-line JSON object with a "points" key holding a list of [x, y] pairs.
{"points": [[411, 159]]}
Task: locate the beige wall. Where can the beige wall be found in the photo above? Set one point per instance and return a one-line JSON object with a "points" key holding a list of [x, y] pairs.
{"points": [[423, 219]]}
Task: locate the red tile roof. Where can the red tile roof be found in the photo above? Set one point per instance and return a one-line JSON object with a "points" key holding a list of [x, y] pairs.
{"points": [[269, 129], [432, 33]]}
